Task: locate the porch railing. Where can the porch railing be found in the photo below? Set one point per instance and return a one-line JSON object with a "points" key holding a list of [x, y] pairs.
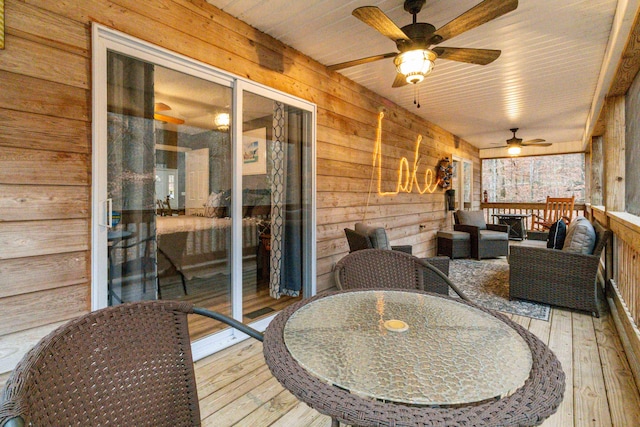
{"points": [[491, 209], [623, 288]]}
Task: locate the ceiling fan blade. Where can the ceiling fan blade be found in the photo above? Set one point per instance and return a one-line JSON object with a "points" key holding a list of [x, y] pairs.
{"points": [[355, 62], [533, 141], [472, 56], [374, 17], [168, 119], [536, 144], [400, 80], [476, 16]]}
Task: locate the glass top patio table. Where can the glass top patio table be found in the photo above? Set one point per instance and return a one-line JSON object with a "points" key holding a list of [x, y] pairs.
{"points": [[408, 347]]}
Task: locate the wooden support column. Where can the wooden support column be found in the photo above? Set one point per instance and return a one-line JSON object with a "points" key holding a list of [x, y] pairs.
{"points": [[614, 159], [596, 168], [614, 166]]}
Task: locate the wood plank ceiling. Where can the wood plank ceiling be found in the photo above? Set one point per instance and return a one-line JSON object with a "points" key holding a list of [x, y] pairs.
{"points": [[543, 83]]}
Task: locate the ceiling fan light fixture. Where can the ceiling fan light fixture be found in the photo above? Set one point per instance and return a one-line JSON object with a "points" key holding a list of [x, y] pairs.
{"points": [[222, 121], [415, 64], [514, 150]]}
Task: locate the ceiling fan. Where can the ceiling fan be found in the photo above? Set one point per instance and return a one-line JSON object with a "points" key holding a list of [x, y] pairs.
{"points": [[416, 57], [158, 114], [514, 145]]}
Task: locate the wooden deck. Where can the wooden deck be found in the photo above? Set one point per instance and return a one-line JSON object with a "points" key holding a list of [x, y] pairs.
{"points": [[237, 389]]}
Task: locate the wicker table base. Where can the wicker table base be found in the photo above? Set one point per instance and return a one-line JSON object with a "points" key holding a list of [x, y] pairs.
{"points": [[529, 405]]}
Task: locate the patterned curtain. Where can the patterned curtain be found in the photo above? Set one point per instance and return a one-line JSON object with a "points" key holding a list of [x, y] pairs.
{"points": [[278, 196]]}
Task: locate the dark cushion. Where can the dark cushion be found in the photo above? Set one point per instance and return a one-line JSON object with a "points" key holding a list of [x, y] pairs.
{"points": [[377, 235], [557, 234], [357, 241], [581, 237], [474, 218]]}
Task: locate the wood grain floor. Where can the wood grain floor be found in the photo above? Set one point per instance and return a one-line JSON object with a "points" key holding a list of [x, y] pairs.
{"points": [[236, 388]]}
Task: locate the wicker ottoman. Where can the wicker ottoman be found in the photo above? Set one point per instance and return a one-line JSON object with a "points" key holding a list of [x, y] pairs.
{"points": [[454, 244]]}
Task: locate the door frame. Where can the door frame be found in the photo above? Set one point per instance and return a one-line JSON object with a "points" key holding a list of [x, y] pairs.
{"points": [[460, 176], [105, 39]]}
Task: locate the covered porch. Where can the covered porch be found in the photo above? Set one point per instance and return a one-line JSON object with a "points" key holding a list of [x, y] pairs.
{"points": [[46, 245]]}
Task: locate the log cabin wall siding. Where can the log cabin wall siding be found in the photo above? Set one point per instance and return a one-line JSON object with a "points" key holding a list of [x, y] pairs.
{"points": [[45, 136]]}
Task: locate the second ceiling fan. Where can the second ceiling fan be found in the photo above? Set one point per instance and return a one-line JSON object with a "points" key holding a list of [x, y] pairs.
{"points": [[416, 56], [515, 144]]}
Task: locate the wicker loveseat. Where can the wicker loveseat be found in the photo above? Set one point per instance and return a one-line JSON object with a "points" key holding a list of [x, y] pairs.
{"points": [[557, 277]]}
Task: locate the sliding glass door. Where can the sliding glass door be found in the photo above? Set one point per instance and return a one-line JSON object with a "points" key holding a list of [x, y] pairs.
{"points": [[275, 141], [203, 186]]}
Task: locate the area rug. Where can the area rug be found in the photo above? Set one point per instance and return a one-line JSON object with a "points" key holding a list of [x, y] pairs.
{"points": [[486, 283]]}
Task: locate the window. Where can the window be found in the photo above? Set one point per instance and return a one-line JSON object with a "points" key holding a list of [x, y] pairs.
{"points": [[532, 179]]}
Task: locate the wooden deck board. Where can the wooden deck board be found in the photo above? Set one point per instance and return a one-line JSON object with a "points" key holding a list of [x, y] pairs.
{"points": [[600, 389], [624, 404], [590, 395]]}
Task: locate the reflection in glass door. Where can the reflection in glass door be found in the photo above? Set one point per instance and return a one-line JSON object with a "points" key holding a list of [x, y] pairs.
{"points": [[202, 188], [275, 138], [169, 175]]}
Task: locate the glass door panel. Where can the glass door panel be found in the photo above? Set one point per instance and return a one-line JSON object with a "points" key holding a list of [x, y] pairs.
{"points": [[182, 207], [169, 175], [274, 142]]}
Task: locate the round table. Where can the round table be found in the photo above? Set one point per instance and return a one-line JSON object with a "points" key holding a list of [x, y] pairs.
{"points": [[402, 357]]}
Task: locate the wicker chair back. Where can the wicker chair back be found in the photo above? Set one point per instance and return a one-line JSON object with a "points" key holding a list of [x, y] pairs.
{"points": [[125, 365], [379, 268]]}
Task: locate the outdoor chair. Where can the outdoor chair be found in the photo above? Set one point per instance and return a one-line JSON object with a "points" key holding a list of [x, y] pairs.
{"points": [[367, 237], [487, 240], [127, 365], [555, 208], [562, 278], [379, 268], [130, 263]]}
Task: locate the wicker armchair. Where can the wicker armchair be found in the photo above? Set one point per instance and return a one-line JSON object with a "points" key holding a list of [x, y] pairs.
{"points": [[557, 277], [127, 365], [380, 268], [487, 240]]}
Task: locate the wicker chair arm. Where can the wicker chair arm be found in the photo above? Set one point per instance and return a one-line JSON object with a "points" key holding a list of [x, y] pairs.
{"points": [[472, 230], [498, 227], [229, 321]]}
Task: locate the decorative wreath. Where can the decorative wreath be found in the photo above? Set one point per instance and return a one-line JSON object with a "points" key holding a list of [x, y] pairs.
{"points": [[445, 172]]}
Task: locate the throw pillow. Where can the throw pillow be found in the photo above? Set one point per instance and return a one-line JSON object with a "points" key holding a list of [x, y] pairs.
{"points": [[581, 237], [557, 235], [475, 218], [377, 235]]}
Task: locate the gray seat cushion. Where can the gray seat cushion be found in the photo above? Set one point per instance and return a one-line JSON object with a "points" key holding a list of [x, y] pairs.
{"points": [[453, 235], [581, 237], [474, 218], [377, 235], [493, 235]]}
